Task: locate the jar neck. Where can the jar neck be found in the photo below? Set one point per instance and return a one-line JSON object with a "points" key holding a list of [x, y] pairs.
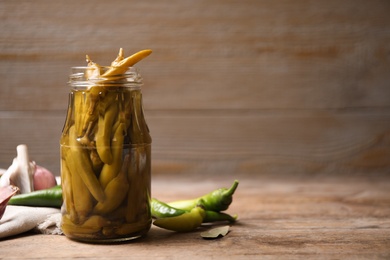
{"points": [[88, 77]]}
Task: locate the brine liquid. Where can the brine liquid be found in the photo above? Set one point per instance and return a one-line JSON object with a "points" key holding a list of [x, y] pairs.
{"points": [[105, 166], [129, 218]]}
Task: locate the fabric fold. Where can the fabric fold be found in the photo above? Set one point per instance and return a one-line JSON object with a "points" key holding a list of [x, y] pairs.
{"points": [[19, 219]]}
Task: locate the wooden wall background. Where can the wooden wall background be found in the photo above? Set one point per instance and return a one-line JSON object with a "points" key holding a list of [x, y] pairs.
{"points": [[233, 86]]}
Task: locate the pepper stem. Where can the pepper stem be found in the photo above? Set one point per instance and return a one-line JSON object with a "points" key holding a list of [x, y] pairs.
{"points": [[232, 189]]}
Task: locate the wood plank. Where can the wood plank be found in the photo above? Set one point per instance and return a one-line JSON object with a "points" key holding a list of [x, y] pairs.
{"points": [[280, 217], [223, 142], [213, 55]]}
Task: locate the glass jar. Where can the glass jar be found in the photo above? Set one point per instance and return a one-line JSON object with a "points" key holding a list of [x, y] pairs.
{"points": [[105, 159]]}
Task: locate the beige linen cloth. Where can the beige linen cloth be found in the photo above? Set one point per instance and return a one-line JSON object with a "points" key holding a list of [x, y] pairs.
{"points": [[19, 219]]}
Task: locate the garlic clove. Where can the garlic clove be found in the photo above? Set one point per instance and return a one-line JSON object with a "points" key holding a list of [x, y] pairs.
{"points": [[43, 178], [21, 171]]}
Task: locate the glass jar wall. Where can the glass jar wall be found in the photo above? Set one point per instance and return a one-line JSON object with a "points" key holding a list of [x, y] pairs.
{"points": [[105, 159]]}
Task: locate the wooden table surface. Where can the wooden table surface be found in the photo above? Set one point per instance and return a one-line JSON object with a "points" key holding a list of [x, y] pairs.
{"points": [[283, 217]]}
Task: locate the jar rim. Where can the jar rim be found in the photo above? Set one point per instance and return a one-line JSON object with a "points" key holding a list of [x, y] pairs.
{"points": [[78, 78]]}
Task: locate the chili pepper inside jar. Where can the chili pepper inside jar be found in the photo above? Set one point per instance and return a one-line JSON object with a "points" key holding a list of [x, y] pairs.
{"points": [[105, 157]]}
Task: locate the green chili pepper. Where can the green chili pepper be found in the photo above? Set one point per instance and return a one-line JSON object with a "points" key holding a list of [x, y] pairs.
{"points": [[110, 171], [186, 222], [113, 197], [104, 133], [160, 209], [80, 164], [120, 66], [213, 216], [41, 198], [217, 200]]}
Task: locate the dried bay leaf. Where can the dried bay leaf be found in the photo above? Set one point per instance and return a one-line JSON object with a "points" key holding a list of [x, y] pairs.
{"points": [[214, 233]]}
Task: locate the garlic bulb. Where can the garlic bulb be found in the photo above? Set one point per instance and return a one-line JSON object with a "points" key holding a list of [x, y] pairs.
{"points": [[21, 171]]}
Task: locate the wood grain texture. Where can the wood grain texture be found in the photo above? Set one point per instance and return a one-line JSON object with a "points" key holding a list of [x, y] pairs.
{"points": [[218, 142], [284, 217], [213, 54], [231, 86]]}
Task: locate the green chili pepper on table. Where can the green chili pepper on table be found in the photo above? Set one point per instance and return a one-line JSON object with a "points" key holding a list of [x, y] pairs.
{"points": [[213, 216], [217, 200], [186, 222], [187, 215], [41, 198], [160, 209]]}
